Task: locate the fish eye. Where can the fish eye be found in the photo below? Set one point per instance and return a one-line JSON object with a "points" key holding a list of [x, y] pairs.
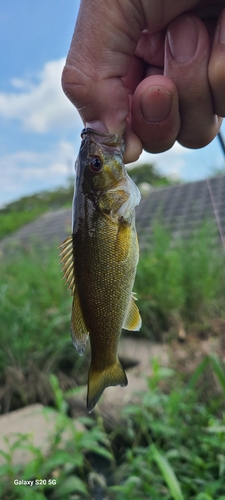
{"points": [[95, 164]]}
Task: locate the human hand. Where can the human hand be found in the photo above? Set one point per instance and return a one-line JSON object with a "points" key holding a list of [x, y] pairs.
{"points": [[152, 70]]}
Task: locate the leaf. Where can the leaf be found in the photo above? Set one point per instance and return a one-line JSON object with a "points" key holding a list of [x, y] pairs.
{"points": [[204, 496], [72, 484], [168, 474], [60, 458], [218, 369], [128, 486], [26, 494], [216, 429], [5, 455], [198, 373], [102, 452]]}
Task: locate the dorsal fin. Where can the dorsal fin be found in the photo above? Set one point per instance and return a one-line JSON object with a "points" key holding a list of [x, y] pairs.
{"points": [[68, 260], [79, 330], [132, 319]]}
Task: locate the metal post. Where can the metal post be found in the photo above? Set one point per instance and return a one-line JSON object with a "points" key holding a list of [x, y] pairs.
{"points": [[221, 140]]}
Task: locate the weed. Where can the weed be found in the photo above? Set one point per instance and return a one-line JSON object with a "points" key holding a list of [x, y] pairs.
{"points": [[173, 441], [28, 208], [182, 281], [176, 449], [35, 331]]}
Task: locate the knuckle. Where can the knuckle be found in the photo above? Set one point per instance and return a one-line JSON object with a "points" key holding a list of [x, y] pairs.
{"points": [[75, 84]]}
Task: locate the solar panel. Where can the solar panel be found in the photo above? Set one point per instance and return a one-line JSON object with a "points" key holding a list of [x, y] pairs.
{"points": [[183, 208]]}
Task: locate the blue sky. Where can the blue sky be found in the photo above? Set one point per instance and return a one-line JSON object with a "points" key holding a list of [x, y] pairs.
{"points": [[39, 128]]}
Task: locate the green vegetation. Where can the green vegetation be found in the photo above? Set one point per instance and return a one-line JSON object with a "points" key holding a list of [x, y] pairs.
{"points": [[185, 282], [34, 305], [180, 282], [178, 449], [35, 326], [175, 284], [28, 208], [172, 444], [148, 173]]}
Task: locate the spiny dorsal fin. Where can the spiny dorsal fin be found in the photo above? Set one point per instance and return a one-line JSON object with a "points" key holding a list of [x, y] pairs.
{"points": [[67, 259], [79, 331], [132, 319]]}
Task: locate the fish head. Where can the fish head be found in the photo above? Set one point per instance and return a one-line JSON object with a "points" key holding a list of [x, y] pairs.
{"points": [[101, 175], [103, 164]]}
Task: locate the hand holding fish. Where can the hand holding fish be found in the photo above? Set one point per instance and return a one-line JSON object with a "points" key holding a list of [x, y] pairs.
{"points": [[152, 70]]}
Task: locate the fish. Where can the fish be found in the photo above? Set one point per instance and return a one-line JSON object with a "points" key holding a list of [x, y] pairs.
{"points": [[100, 257]]}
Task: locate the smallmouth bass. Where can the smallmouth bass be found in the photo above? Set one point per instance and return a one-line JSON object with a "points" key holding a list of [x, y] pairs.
{"points": [[100, 257]]}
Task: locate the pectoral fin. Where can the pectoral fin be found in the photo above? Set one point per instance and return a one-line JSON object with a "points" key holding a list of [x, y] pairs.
{"points": [[67, 259], [79, 332], [132, 319]]}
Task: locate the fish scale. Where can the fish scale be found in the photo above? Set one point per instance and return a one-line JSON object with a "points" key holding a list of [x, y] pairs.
{"points": [[102, 254], [104, 302]]}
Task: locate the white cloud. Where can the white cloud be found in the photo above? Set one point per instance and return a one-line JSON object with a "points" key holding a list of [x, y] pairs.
{"points": [[27, 172], [40, 106], [170, 163]]}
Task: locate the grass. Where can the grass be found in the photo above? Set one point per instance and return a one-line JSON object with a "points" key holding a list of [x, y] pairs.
{"points": [[172, 444], [175, 284], [179, 437], [33, 303], [28, 208], [14, 215], [182, 282], [35, 327], [10, 222]]}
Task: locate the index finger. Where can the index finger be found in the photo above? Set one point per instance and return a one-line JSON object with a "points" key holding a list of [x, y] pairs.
{"points": [[104, 42]]}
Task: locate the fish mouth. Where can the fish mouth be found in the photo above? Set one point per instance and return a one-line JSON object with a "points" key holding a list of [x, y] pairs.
{"points": [[107, 139], [89, 130]]}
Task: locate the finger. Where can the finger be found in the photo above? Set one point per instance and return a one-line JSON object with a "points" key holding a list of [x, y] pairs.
{"points": [[187, 50], [150, 48], [216, 67], [155, 113], [98, 57], [103, 44], [159, 14], [104, 41]]}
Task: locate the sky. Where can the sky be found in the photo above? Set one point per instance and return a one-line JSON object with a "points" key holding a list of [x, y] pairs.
{"points": [[39, 127]]}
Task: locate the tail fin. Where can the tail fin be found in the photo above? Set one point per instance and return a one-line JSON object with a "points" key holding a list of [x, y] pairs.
{"points": [[99, 380]]}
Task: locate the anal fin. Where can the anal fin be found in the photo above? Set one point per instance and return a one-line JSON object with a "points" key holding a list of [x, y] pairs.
{"points": [[132, 319]]}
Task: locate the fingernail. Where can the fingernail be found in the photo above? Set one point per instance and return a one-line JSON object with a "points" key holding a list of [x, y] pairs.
{"points": [[156, 104], [182, 36], [222, 28]]}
